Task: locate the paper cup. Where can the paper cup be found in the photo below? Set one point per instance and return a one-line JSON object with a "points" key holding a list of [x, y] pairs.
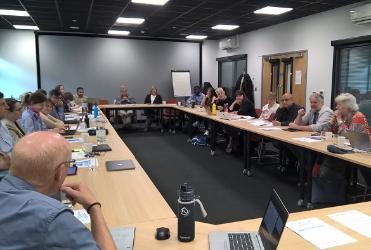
{"points": [[328, 136], [85, 137], [341, 141], [163, 102], [179, 103]]}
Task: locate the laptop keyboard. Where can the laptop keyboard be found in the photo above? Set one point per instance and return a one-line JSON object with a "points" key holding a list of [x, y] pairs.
{"points": [[240, 241]]}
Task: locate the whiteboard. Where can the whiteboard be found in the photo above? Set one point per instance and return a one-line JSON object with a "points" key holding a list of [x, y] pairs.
{"points": [[181, 83]]}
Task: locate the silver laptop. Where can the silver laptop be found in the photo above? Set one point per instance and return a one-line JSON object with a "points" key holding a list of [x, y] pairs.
{"points": [[119, 165], [268, 236], [359, 140]]}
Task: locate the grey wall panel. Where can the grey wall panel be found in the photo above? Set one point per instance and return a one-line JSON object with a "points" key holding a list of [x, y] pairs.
{"points": [[101, 65]]}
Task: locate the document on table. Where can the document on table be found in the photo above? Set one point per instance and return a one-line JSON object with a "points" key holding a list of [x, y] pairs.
{"points": [[355, 220], [86, 163], [82, 216], [123, 237], [271, 128], [258, 122], [74, 140], [306, 139], [319, 233], [78, 155]]}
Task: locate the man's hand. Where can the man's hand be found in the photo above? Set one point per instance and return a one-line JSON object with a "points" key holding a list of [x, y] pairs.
{"points": [[80, 193], [276, 123], [301, 112], [4, 161], [293, 125]]}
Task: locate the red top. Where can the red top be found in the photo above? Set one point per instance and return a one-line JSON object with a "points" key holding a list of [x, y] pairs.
{"points": [[358, 118]]}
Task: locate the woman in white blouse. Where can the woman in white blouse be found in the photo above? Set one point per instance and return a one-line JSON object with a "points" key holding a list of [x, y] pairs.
{"points": [[270, 108]]}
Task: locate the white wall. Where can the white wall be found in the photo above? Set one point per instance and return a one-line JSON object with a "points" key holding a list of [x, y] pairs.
{"points": [[313, 33], [209, 63], [17, 62]]}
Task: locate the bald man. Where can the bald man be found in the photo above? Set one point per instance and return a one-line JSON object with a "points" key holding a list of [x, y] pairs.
{"points": [[29, 218], [287, 112]]}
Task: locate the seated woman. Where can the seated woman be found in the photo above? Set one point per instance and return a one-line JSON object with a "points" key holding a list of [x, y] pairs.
{"points": [[124, 99], [269, 110], [50, 121], [241, 106], [206, 102], [70, 103], [31, 120], [152, 98], [222, 101], [14, 113]]}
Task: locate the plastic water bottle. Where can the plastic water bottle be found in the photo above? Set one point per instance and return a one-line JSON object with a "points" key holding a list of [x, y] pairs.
{"points": [[101, 132], [186, 216], [213, 109], [95, 111]]}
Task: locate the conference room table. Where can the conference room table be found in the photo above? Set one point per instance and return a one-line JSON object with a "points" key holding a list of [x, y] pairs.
{"points": [[247, 129], [129, 198]]}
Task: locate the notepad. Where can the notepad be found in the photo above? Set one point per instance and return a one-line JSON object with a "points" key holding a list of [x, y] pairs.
{"points": [[319, 233], [82, 216], [306, 139], [123, 237], [355, 220]]}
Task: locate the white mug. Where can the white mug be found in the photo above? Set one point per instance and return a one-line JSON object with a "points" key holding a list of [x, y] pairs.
{"points": [[341, 141], [163, 102], [328, 136], [179, 103], [88, 147]]}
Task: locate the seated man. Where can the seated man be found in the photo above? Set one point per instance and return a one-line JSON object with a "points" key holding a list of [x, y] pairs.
{"points": [[317, 119], [287, 112], [79, 97], [6, 141], [30, 219], [58, 105], [124, 98], [196, 97]]}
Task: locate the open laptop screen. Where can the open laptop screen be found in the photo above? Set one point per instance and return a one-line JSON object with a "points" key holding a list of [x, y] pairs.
{"points": [[273, 222]]}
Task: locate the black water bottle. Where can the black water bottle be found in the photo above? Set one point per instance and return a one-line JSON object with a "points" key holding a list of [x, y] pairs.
{"points": [[186, 216], [86, 120]]}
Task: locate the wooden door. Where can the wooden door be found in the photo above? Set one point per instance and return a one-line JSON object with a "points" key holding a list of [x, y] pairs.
{"points": [[292, 77]]}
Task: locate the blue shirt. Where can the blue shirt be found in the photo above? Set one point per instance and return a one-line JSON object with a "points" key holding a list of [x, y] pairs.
{"points": [[31, 121], [197, 99], [31, 220], [58, 112], [6, 141]]}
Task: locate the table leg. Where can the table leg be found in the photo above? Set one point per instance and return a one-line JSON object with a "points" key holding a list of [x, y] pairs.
{"points": [[246, 153], [213, 138]]}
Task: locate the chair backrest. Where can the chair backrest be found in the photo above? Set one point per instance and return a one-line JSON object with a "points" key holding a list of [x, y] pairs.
{"points": [[103, 101], [171, 101], [258, 112]]}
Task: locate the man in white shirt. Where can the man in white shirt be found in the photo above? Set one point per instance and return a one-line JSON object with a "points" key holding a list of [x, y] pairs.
{"points": [[270, 108]]}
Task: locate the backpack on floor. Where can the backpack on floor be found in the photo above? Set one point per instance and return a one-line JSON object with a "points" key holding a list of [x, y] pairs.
{"points": [[199, 140]]}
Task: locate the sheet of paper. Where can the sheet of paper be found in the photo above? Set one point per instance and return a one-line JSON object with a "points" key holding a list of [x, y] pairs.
{"points": [[298, 76], [261, 123], [319, 233], [123, 237], [82, 216], [73, 126], [86, 163], [306, 139], [247, 117], [355, 220], [271, 128], [74, 140], [78, 155]]}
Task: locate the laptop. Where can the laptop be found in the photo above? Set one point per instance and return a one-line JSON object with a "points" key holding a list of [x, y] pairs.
{"points": [[359, 140], [119, 165], [71, 130], [268, 236], [102, 148]]}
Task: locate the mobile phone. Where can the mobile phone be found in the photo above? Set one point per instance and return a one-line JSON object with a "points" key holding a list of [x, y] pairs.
{"points": [[72, 170]]}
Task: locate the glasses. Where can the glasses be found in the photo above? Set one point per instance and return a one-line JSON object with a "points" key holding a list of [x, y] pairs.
{"points": [[66, 163]]}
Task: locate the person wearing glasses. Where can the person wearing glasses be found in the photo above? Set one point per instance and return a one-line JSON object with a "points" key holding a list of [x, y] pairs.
{"points": [[58, 110], [30, 218], [317, 119], [6, 141], [287, 112], [11, 121]]}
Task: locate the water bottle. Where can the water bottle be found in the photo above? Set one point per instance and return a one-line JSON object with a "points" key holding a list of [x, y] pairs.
{"points": [[101, 131], [86, 120], [95, 111], [213, 109], [186, 217]]}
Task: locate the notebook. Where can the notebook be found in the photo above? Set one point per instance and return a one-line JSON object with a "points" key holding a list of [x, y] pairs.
{"points": [[119, 165]]}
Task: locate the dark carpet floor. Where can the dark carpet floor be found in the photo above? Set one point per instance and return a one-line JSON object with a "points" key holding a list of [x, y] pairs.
{"points": [[226, 193]]}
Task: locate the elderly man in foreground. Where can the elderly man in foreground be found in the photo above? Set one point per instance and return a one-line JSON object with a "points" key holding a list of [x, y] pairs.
{"points": [[29, 218]]}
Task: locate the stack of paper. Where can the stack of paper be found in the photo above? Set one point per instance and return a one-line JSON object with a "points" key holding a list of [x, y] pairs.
{"points": [[123, 237], [355, 220], [87, 163], [257, 122], [74, 140], [82, 216], [271, 128], [78, 155], [319, 233], [306, 139]]}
